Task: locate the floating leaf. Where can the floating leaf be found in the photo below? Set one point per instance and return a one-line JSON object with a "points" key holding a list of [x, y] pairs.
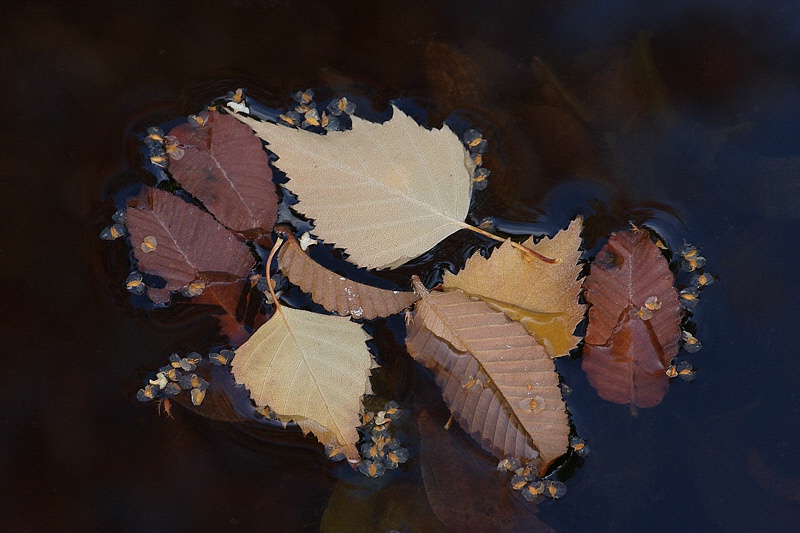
{"points": [[542, 296], [383, 192], [629, 346], [336, 293], [181, 243], [502, 386], [312, 369], [226, 168]]}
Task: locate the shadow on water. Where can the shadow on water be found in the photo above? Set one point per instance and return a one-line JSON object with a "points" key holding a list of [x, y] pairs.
{"points": [[682, 116]]}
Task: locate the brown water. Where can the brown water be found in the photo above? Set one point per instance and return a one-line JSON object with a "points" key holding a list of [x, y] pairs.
{"points": [[692, 125]]}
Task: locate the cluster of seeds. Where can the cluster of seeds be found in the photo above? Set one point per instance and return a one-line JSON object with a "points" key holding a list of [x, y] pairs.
{"points": [[651, 304], [179, 375], [524, 477], [477, 146], [379, 450], [115, 230], [682, 370], [163, 147], [306, 115], [526, 481], [690, 261]]}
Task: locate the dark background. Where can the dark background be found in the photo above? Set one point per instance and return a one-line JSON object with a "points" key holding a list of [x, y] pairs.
{"points": [[713, 140]]}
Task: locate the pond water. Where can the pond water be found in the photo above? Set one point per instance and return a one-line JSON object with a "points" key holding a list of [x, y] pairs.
{"points": [[685, 115]]}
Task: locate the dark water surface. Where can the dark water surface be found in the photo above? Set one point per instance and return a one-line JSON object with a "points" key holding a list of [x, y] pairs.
{"points": [[684, 114]]}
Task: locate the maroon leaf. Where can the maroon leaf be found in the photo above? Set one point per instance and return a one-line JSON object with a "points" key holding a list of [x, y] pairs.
{"points": [[228, 297], [634, 321], [181, 243], [225, 166]]}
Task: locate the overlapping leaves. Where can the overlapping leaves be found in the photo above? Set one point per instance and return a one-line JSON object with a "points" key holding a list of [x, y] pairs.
{"points": [[385, 193]]}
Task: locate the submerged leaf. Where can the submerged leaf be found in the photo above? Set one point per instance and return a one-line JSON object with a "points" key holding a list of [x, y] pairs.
{"points": [[630, 340], [459, 490], [312, 369], [336, 293], [181, 243], [383, 192], [540, 295], [226, 168], [501, 386]]}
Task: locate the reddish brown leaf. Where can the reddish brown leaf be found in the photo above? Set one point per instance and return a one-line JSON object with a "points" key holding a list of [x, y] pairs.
{"points": [[503, 387], [634, 321], [459, 490], [334, 292], [225, 166], [181, 243], [228, 297]]}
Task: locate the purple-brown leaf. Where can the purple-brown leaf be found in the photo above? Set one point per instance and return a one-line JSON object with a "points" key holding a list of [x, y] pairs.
{"points": [[225, 166], [228, 297], [502, 387], [334, 292], [181, 243], [634, 321]]}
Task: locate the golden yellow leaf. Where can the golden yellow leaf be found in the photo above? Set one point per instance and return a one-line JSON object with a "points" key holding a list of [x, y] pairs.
{"points": [[542, 296], [384, 192], [309, 368]]}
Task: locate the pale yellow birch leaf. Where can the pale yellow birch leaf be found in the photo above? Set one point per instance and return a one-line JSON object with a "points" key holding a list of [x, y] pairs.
{"points": [[385, 193], [542, 296], [309, 368]]}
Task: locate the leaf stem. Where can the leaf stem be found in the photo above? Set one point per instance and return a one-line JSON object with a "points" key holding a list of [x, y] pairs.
{"points": [[516, 245], [272, 252]]}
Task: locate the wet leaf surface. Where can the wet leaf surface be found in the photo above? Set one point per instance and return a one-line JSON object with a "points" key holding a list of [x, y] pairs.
{"points": [[225, 167], [517, 406], [634, 321], [334, 292], [180, 243]]}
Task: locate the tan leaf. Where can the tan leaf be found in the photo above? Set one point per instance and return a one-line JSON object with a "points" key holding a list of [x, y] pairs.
{"points": [[383, 192], [503, 388], [309, 368], [542, 296], [334, 292]]}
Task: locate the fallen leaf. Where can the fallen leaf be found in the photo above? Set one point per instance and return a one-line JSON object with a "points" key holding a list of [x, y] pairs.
{"points": [[334, 292], [181, 243], [496, 379], [228, 297], [226, 168], [460, 490], [309, 368], [634, 321], [542, 296], [383, 192]]}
